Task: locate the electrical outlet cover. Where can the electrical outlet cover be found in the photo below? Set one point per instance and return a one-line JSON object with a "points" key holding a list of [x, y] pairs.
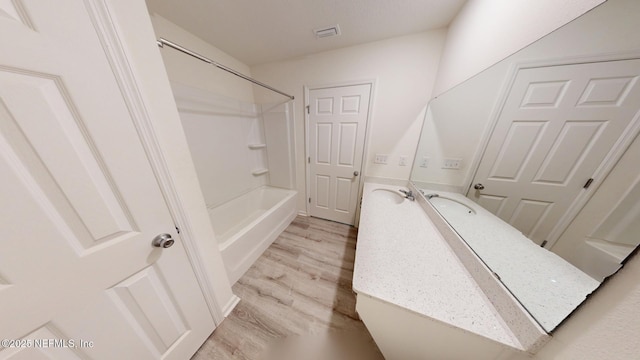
{"points": [[451, 163], [380, 159]]}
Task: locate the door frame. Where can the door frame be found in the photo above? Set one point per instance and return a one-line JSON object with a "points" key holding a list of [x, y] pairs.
{"points": [[607, 164], [365, 149], [133, 61]]}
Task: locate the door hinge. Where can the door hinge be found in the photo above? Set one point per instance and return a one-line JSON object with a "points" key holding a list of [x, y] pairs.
{"points": [[178, 229], [309, 200], [543, 243], [588, 183], [308, 109]]}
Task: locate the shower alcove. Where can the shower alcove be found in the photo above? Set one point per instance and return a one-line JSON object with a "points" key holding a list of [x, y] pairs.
{"points": [[243, 155]]}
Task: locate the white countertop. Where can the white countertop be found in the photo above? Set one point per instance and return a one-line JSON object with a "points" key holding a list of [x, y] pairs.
{"points": [[401, 258], [548, 286]]}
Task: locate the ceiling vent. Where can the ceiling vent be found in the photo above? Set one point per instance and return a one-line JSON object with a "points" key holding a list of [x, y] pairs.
{"points": [[327, 31]]}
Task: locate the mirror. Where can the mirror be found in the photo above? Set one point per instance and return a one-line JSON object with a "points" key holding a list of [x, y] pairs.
{"points": [[528, 133]]}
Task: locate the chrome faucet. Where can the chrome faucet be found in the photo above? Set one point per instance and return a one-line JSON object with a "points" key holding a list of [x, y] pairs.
{"points": [[430, 196], [408, 194]]}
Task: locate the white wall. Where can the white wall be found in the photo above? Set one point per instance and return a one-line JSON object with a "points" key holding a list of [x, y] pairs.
{"points": [[187, 70], [404, 69], [485, 32]]}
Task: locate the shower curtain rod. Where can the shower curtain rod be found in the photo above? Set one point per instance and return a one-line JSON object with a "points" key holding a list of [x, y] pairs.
{"points": [[164, 41]]}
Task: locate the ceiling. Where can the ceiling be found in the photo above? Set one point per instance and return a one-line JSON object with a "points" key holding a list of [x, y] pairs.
{"points": [[262, 31]]}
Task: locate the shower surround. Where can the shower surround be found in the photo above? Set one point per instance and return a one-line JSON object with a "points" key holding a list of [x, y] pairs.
{"points": [[243, 154]]}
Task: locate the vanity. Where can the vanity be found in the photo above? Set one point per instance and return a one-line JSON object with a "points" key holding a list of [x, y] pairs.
{"points": [[522, 204], [416, 295]]}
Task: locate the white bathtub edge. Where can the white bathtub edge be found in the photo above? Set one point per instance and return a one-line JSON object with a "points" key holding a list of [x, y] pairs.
{"points": [[240, 268]]}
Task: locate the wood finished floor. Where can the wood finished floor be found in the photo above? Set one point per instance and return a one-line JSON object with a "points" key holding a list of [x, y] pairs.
{"points": [[297, 292]]}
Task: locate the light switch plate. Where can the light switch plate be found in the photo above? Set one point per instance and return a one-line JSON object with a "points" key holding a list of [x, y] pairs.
{"points": [[451, 163], [381, 159]]}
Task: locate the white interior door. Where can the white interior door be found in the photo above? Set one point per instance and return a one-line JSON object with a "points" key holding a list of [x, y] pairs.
{"points": [[337, 124], [81, 205], [557, 126]]}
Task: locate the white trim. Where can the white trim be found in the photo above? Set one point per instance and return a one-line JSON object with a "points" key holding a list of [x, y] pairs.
{"points": [[291, 136], [228, 308], [307, 165], [101, 16], [365, 147], [365, 154], [603, 169]]}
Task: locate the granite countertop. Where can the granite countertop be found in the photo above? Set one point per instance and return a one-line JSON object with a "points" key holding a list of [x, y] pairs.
{"points": [[402, 259], [546, 284]]}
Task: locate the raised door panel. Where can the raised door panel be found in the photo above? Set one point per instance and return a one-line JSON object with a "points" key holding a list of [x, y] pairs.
{"points": [[347, 137], [343, 194], [323, 191], [568, 151], [14, 11], [150, 306], [516, 149], [607, 91], [323, 143], [45, 127], [324, 106], [529, 214], [350, 104], [545, 94], [493, 203]]}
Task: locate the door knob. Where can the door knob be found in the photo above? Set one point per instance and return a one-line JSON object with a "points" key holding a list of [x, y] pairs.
{"points": [[355, 173], [478, 186], [163, 241]]}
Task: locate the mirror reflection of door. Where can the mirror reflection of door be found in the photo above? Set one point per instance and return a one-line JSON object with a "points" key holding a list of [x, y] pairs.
{"points": [[557, 126], [337, 122]]}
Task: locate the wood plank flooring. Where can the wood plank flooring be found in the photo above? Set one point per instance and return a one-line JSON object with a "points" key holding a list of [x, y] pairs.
{"points": [[297, 301]]}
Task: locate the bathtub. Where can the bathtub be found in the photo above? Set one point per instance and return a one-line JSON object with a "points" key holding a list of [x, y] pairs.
{"points": [[248, 224]]}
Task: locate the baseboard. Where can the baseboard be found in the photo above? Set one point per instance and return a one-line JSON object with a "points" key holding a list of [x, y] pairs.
{"points": [[231, 304]]}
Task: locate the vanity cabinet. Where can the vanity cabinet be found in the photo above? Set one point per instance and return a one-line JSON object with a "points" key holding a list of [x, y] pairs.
{"points": [[415, 295]]}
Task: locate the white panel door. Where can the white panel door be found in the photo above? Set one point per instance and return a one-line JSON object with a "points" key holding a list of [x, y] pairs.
{"points": [[337, 123], [557, 126], [81, 205]]}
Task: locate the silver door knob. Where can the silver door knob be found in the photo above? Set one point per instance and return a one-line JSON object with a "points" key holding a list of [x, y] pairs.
{"points": [[478, 186], [163, 241], [355, 173]]}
